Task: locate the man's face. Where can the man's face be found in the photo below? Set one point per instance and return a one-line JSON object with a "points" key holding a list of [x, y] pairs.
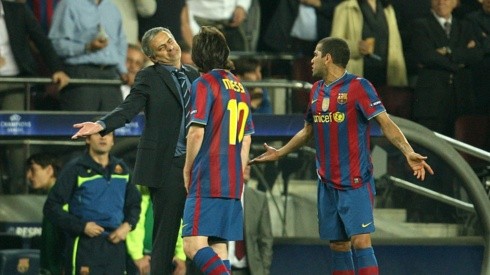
{"points": [[165, 50], [100, 144], [254, 75], [135, 60], [39, 177], [443, 8], [318, 66]]}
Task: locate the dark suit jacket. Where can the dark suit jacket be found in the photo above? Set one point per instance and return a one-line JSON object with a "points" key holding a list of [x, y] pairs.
{"points": [[258, 231], [444, 84], [154, 92], [23, 27], [277, 33]]}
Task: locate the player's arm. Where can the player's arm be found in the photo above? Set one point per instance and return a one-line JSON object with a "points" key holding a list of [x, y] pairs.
{"points": [[397, 138], [247, 141], [194, 141], [300, 139]]}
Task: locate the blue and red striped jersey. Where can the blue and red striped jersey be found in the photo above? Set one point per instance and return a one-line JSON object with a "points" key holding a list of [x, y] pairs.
{"points": [[220, 103], [340, 114]]}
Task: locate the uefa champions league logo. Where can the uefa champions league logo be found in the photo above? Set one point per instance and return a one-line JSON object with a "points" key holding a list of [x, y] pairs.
{"points": [[14, 125]]}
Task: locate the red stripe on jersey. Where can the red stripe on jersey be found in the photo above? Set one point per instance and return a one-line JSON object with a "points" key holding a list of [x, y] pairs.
{"points": [[353, 138], [215, 147], [335, 153], [197, 214]]}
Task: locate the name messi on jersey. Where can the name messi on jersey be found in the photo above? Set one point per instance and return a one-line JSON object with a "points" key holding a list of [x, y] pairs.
{"points": [[329, 117], [233, 85]]}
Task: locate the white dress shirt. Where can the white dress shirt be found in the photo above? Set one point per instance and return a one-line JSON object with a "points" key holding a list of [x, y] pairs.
{"points": [[9, 68]]}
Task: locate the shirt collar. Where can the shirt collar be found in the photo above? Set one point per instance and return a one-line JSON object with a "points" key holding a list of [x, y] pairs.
{"points": [[2, 12], [442, 20]]}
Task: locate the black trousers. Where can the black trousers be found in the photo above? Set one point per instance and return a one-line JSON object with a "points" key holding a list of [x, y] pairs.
{"points": [[95, 255], [168, 207], [88, 97]]}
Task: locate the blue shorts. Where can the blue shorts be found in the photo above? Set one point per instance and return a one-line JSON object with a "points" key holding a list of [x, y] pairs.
{"points": [[213, 217], [344, 213]]}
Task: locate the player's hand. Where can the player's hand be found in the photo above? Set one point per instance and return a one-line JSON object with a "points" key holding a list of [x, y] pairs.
{"points": [[86, 129], [271, 154], [180, 268], [92, 229], [120, 233], [418, 165], [143, 265]]}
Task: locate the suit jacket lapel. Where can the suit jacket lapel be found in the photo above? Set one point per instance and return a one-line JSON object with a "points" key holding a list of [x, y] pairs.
{"points": [[436, 29], [166, 77]]}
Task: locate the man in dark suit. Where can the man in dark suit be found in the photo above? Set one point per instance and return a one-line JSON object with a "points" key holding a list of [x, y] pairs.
{"points": [[444, 87], [258, 238], [161, 150], [445, 48]]}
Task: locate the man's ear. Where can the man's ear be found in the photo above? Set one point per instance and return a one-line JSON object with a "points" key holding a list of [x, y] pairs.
{"points": [[50, 169]]}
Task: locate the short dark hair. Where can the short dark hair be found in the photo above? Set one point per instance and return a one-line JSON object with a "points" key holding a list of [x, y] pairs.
{"points": [[210, 50], [337, 48], [44, 160], [246, 65]]}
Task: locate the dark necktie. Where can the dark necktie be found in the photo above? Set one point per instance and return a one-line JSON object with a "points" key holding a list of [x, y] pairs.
{"points": [[240, 249], [182, 78], [447, 28]]}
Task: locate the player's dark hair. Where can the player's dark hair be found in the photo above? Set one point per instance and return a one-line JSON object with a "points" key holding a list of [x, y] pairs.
{"points": [[210, 50], [337, 48]]}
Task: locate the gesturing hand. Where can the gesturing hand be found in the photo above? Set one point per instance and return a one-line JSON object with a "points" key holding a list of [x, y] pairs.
{"points": [[269, 155], [86, 129]]}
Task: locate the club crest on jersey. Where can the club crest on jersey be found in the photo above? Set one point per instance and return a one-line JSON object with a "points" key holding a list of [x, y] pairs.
{"points": [[325, 103], [342, 98]]}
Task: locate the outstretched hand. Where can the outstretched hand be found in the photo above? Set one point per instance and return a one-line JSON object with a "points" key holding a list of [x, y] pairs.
{"points": [[86, 129], [418, 165], [271, 154]]}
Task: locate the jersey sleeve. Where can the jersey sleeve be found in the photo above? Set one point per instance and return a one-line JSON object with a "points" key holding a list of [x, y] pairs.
{"points": [[368, 100], [202, 99]]}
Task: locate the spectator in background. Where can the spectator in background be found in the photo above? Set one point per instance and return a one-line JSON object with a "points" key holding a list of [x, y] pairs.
{"points": [[481, 71], [226, 15], [135, 61], [43, 11], [444, 89], [130, 10], [18, 31], [371, 31], [173, 15], [139, 242], [89, 36], [186, 53], [42, 171], [103, 206], [445, 48], [295, 28], [250, 69]]}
